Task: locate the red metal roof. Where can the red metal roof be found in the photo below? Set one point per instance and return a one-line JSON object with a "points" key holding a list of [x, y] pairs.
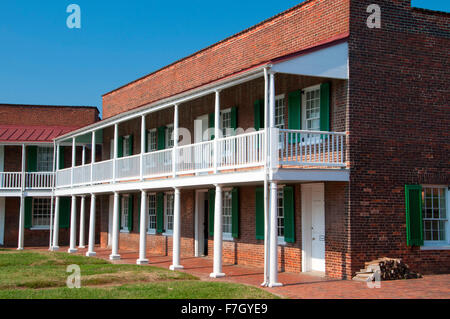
{"points": [[20, 134]]}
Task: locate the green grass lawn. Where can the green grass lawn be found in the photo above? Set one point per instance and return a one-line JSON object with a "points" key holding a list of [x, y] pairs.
{"points": [[32, 274]]}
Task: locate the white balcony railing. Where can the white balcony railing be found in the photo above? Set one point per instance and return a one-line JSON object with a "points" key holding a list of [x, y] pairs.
{"points": [[33, 180], [292, 148]]}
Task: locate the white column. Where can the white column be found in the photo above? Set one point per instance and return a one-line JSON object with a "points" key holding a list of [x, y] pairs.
{"points": [[176, 231], [115, 232], [116, 146], [82, 221], [21, 223], [57, 157], [271, 99], [55, 245], [175, 140], [216, 130], [73, 159], [73, 225], [217, 270], [266, 195], [91, 251], [83, 155], [143, 231], [23, 168], [143, 133], [92, 156], [273, 274]]}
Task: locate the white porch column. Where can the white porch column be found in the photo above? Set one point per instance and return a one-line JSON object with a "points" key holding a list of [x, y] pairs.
{"points": [[266, 164], [91, 251], [55, 244], [82, 221], [176, 231], [73, 160], [217, 270], [73, 225], [92, 156], [216, 130], [116, 146], [143, 231], [175, 140], [115, 231], [21, 223], [273, 274], [143, 133]]}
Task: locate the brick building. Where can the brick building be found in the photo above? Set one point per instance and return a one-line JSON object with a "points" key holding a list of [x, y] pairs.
{"points": [[27, 172], [308, 142]]}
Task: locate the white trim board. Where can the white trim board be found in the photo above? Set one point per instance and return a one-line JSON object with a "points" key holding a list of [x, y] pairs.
{"points": [[2, 220]]}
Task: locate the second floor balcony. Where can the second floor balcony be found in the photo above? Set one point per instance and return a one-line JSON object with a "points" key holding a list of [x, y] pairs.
{"points": [[26, 180], [294, 149]]}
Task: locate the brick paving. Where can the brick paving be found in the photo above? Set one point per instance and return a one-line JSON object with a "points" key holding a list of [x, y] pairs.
{"points": [[298, 285]]}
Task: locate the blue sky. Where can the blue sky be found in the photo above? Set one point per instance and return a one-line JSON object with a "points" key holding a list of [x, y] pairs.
{"points": [[44, 62]]}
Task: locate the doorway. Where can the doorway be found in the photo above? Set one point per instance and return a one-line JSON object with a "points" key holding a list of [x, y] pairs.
{"points": [[201, 223], [313, 227]]}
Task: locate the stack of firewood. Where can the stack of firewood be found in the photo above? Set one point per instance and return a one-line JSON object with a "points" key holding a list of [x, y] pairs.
{"points": [[388, 268]]}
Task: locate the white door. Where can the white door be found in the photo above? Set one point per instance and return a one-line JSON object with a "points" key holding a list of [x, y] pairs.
{"points": [[313, 232], [200, 127], [203, 156]]}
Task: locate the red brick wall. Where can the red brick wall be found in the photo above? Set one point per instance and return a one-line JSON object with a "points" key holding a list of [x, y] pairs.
{"points": [[48, 115], [399, 123], [304, 26]]}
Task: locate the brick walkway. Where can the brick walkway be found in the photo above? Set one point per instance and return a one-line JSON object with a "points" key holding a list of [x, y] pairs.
{"points": [[299, 285]]}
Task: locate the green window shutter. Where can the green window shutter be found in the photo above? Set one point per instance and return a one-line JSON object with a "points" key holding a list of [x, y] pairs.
{"points": [[120, 147], [234, 119], [159, 212], [161, 137], [413, 203], [28, 211], [289, 218], [258, 107], [31, 158], [120, 211], [139, 213], [146, 141], [212, 200], [235, 212], [64, 212], [211, 121], [130, 145], [295, 110], [325, 106], [259, 205], [130, 212], [61, 157]]}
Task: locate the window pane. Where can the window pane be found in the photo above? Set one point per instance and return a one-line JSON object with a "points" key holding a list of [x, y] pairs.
{"points": [[227, 212], [44, 159], [434, 214], [41, 212], [152, 211]]}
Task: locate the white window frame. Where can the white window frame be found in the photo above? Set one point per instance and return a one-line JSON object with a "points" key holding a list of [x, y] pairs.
{"points": [[303, 110], [167, 231], [169, 141], [437, 244], [46, 160], [226, 131], [152, 134], [125, 199], [281, 240], [126, 146], [33, 225], [281, 124], [228, 236], [151, 230]]}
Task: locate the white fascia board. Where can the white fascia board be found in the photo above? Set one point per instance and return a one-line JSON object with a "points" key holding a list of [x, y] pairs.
{"points": [[330, 62], [38, 193]]}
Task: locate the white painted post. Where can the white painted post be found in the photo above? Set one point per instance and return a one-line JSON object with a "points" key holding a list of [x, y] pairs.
{"points": [[143, 133], [22, 185], [92, 156], [55, 245], [143, 231], [83, 155], [176, 231], [116, 146], [273, 276], [82, 221], [21, 223], [57, 157], [175, 141], [266, 195], [115, 232], [73, 225], [73, 160], [91, 246], [216, 130], [217, 270]]}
